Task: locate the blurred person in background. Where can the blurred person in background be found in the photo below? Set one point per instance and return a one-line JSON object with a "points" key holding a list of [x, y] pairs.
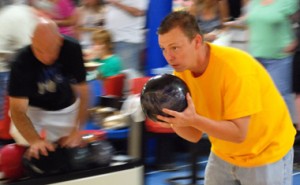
{"points": [[272, 42], [10, 2], [296, 72], [210, 15], [125, 19], [17, 25], [62, 12], [90, 18], [111, 64], [101, 54], [235, 8]]}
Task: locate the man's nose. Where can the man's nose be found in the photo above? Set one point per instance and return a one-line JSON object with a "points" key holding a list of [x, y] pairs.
{"points": [[169, 56]]}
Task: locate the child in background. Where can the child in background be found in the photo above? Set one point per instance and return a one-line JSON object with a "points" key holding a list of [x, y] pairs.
{"points": [[103, 49]]}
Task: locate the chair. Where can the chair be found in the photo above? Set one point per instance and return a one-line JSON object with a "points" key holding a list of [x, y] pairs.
{"points": [[194, 150], [165, 146], [95, 90], [113, 85], [137, 84], [5, 137]]}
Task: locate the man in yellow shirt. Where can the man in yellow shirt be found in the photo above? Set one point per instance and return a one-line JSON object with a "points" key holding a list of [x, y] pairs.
{"points": [[234, 101]]}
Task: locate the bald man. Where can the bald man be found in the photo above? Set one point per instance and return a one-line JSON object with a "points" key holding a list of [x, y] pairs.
{"points": [[48, 91]]}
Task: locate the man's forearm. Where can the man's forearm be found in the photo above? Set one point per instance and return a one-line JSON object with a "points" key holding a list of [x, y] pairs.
{"points": [[25, 127], [131, 10], [83, 105], [188, 133]]}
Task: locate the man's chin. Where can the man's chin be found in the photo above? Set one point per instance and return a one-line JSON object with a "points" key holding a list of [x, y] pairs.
{"points": [[178, 69]]}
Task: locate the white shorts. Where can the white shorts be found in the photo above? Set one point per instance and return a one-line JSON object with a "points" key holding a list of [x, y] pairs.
{"points": [[56, 124]]}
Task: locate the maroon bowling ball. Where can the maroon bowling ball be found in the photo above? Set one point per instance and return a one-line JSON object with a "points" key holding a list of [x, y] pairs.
{"points": [[163, 91], [11, 161]]}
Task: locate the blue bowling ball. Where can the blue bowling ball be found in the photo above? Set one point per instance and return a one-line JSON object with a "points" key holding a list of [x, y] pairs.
{"points": [[163, 91]]}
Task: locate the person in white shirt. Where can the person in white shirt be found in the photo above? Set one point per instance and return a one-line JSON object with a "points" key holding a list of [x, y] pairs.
{"points": [[125, 19], [17, 24]]}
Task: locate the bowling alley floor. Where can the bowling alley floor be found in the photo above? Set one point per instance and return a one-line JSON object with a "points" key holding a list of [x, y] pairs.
{"points": [[160, 177]]}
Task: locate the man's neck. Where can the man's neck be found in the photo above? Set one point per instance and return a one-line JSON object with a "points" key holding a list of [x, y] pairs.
{"points": [[202, 62]]}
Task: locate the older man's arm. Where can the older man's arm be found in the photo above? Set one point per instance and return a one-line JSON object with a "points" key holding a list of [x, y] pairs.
{"points": [[75, 139], [18, 109]]}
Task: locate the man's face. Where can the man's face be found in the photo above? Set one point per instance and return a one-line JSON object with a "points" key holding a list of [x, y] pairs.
{"points": [[46, 50], [177, 49]]}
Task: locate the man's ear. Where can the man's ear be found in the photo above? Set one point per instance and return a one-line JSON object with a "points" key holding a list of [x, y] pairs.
{"points": [[198, 40]]}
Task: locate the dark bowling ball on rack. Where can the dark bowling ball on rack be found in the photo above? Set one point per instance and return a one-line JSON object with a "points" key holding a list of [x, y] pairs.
{"points": [[78, 158], [101, 152], [54, 163], [163, 91]]}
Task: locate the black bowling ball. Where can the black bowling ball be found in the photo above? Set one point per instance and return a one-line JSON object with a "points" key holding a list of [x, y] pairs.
{"points": [[163, 91], [78, 158], [54, 163], [101, 152]]}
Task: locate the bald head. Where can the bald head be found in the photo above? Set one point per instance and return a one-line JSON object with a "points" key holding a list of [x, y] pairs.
{"points": [[46, 27], [46, 41]]}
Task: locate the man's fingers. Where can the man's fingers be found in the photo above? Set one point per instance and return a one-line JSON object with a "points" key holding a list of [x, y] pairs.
{"points": [[50, 147], [170, 112], [71, 142], [162, 123], [189, 99], [44, 151], [34, 153], [162, 119]]}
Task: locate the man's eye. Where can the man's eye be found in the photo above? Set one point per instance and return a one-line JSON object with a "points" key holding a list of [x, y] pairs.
{"points": [[175, 48]]}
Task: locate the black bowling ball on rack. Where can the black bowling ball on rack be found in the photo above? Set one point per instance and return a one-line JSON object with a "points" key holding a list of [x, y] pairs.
{"points": [[97, 153], [101, 153], [54, 163]]}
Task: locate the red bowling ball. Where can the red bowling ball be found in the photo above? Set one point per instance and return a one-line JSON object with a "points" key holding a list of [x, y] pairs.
{"points": [[11, 161]]}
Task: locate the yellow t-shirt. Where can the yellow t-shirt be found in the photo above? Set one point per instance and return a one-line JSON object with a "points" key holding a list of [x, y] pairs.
{"points": [[235, 85]]}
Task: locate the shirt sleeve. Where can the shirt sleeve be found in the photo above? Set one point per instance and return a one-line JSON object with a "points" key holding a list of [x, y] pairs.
{"points": [[75, 66], [20, 80], [289, 7]]}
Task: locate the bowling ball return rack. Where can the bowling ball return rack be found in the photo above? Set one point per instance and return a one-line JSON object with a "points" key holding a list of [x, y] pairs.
{"points": [[122, 169]]}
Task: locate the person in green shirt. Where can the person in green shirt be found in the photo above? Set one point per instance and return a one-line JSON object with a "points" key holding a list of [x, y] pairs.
{"points": [[110, 63], [272, 42]]}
